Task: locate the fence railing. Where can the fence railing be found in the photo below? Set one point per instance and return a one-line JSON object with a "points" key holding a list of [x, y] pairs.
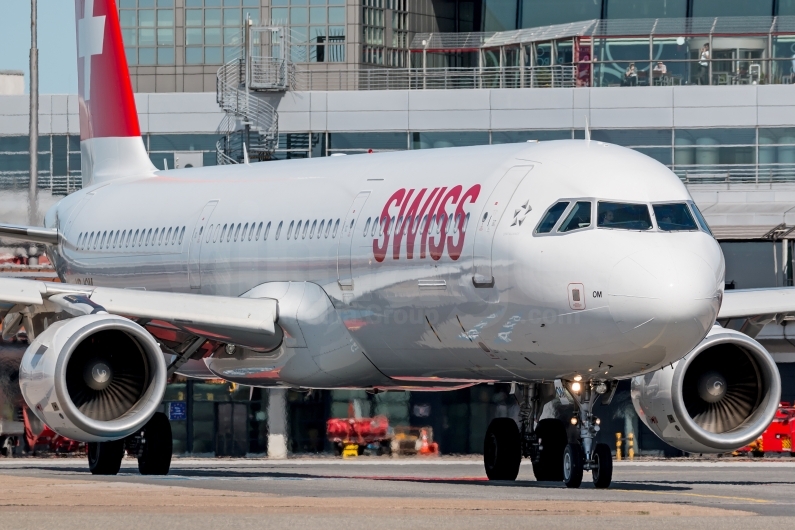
{"points": [[436, 78], [736, 173], [267, 73], [58, 185]]}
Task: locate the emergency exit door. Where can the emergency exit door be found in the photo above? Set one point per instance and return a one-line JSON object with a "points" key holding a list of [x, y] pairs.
{"points": [[194, 254], [345, 249], [489, 221]]}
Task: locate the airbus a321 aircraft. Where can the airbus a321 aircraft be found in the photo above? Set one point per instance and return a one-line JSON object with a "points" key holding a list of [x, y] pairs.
{"points": [[559, 267]]}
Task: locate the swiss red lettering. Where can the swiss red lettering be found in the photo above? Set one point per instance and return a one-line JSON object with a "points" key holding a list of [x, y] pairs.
{"points": [[437, 248], [379, 251], [429, 211], [454, 249]]}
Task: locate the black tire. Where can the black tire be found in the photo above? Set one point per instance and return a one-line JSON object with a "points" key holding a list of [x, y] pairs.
{"points": [[155, 454], [553, 439], [603, 470], [502, 449], [104, 458], [572, 465]]}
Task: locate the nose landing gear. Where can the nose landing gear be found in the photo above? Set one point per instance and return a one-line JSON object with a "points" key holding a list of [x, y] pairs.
{"points": [[587, 455], [546, 442]]}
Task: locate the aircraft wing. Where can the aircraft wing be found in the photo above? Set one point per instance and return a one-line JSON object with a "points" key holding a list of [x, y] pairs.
{"points": [[246, 321], [752, 309]]}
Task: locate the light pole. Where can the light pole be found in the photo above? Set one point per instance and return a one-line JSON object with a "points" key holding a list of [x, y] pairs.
{"points": [[33, 208]]}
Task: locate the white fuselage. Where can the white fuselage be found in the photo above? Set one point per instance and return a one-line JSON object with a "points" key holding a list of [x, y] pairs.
{"points": [[483, 299]]}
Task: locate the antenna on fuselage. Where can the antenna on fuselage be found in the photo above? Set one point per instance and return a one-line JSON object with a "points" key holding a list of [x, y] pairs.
{"points": [[587, 130]]}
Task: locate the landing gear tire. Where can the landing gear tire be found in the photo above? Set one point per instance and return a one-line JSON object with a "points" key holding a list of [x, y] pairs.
{"points": [[553, 439], [572, 465], [603, 466], [502, 450], [104, 458], [157, 445]]}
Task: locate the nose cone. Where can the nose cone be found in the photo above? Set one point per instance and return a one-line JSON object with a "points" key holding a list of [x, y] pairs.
{"points": [[668, 297]]}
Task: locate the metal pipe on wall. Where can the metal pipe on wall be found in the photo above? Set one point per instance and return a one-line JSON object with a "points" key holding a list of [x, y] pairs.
{"points": [[33, 199]]}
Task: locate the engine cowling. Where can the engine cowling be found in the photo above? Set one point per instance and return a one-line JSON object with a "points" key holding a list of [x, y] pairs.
{"points": [[721, 396], [93, 378]]}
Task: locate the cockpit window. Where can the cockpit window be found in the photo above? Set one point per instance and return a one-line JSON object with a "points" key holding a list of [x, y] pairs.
{"points": [[579, 217], [674, 217], [551, 217], [701, 221], [623, 216]]}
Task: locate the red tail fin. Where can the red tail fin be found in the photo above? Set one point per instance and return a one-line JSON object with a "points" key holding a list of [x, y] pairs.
{"points": [[109, 131]]}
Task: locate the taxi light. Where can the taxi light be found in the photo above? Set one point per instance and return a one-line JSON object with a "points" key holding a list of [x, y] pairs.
{"points": [[578, 378], [574, 421], [575, 387]]}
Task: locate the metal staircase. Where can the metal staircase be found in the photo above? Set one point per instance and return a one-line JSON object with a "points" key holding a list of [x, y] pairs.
{"points": [[249, 120]]}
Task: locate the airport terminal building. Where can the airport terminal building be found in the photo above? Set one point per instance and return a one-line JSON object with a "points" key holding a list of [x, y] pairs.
{"points": [[706, 87]]}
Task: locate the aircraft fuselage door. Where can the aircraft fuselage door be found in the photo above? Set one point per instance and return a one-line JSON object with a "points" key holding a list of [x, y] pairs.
{"points": [[194, 253], [488, 222], [344, 273]]}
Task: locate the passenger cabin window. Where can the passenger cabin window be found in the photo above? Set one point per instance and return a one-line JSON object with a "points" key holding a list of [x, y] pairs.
{"points": [[579, 217], [623, 216], [551, 217], [675, 217]]}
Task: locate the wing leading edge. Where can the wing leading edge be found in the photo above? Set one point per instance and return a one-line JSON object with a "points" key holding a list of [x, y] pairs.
{"points": [[752, 309], [237, 320]]}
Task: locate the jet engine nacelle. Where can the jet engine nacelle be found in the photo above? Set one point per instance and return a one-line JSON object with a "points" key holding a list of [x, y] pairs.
{"points": [[94, 378], [721, 396]]}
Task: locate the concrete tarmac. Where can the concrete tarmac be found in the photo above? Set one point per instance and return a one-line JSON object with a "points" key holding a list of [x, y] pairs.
{"points": [[441, 493]]}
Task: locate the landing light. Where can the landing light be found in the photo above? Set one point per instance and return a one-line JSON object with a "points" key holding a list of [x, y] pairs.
{"points": [[574, 421], [578, 378]]}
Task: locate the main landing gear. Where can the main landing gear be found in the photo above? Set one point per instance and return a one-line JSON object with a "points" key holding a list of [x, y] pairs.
{"points": [[546, 442], [152, 445]]}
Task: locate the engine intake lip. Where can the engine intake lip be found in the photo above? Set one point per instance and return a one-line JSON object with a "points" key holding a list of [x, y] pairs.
{"points": [[760, 418], [146, 405]]}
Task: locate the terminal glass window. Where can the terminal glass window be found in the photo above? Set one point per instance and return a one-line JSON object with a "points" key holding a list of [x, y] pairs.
{"points": [[624, 216], [147, 28], [674, 217], [214, 29], [499, 15], [786, 7], [316, 29], [365, 142], [509, 137], [617, 9], [428, 140], [535, 13], [373, 31], [732, 8], [712, 147]]}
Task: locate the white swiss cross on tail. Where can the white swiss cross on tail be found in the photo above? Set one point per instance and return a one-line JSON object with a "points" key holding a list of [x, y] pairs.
{"points": [[90, 40]]}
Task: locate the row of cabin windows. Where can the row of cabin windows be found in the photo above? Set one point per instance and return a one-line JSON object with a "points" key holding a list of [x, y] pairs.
{"points": [[252, 231], [130, 238], [401, 226]]}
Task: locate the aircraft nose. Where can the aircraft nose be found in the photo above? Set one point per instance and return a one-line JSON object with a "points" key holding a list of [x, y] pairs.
{"points": [[667, 297]]}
